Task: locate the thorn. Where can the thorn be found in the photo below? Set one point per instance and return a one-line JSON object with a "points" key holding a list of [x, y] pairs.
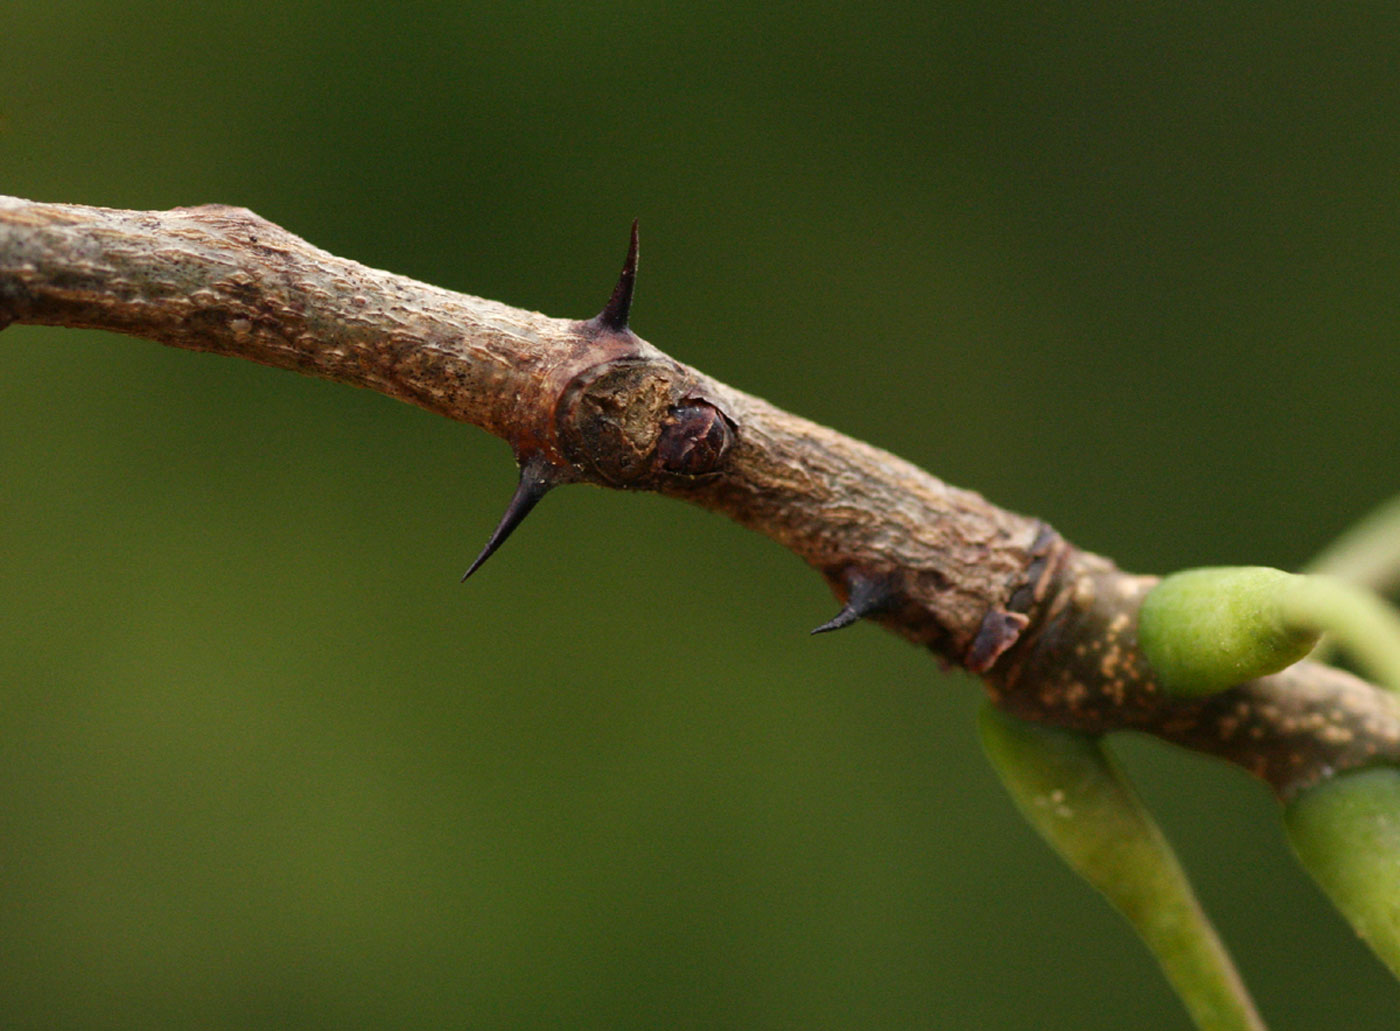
{"points": [[537, 476], [866, 597], [615, 314]]}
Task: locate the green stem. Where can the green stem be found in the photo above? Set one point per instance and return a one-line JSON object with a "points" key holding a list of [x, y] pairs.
{"points": [[1368, 553], [1346, 832], [1360, 622], [1070, 790]]}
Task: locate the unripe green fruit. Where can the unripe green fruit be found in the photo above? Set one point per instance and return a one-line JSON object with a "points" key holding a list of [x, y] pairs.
{"points": [[1204, 630]]}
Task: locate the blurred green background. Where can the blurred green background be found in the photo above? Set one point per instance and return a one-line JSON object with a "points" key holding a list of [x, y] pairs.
{"points": [[264, 763]]}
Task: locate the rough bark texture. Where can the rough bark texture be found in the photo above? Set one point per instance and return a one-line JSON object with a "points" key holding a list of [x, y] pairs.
{"points": [[1051, 629]]}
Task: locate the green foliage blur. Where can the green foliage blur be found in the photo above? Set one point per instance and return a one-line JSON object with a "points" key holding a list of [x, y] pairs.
{"points": [[264, 763]]}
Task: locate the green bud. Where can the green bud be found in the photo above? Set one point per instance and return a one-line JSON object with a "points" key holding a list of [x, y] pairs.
{"points": [[1204, 630]]}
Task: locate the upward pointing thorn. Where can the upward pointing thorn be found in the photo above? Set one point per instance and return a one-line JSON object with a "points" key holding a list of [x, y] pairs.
{"points": [[537, 476], [866, 596], [619, 307]]}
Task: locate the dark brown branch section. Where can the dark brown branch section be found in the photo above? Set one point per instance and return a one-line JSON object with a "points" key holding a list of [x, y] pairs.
{"points": [[1048, 627]]}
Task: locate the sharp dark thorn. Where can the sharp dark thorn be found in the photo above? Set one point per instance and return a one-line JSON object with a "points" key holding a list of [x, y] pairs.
{"points": [[619, 307], [840, 621], [866, 596], [536, 479]]}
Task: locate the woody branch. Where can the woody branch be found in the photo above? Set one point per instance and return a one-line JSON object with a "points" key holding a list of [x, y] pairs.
{"points": [[1049, 628]]}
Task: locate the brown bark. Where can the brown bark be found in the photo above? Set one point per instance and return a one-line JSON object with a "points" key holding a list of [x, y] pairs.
{"points": [[1051, 629]]}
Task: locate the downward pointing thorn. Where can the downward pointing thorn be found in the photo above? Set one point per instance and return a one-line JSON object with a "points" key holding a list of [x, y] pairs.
{"points": [[615, 314], [866, 596], [840, 621], [536, 479]]}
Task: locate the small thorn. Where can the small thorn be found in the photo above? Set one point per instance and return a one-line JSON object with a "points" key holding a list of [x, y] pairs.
{"points": [[619, 307], [840, 621], [866, 596], [537, 477]]}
